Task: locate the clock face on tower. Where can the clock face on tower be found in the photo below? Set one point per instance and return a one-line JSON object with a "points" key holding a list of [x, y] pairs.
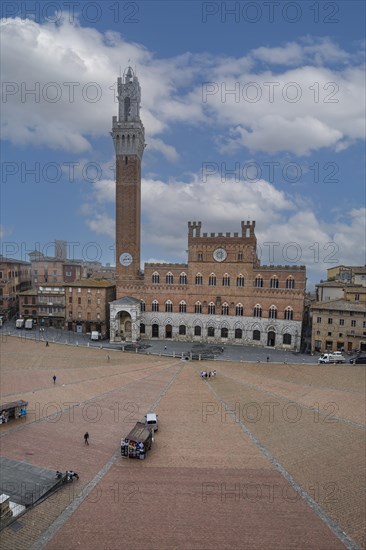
{"points": [[125, 259], [220, 254]]}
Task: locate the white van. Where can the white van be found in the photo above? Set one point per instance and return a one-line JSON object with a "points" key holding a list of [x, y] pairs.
{"points": [[95, 335], [332, 357], [151, 420]]}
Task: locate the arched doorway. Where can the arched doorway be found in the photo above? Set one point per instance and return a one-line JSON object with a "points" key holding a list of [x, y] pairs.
{"points": [[168, 331], [271, 338], [125, 326], [155, 331]]}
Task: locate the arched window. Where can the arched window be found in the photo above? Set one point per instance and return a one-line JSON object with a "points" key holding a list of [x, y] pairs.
{"points": [[240, 280], [257, 311], [197, 330], [272, 312], [182, 279], [289, 313], [127, 106], [239, 310], [274, 282], [212, 280], [142, 328], [211, 308], [224, 332], [169, 278], [259, 281], [182, 330], [226, 280], [155, 278], [287, 339], [155, 306], [290, 282], [182, 307], [198, 307], [225, 309], [238, 333], [169, 306], [210, 332], [143, 306], [256, 335], [199, 279]]}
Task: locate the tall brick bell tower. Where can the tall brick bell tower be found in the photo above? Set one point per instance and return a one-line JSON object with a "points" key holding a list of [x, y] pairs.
{"points": [[129, 141]]}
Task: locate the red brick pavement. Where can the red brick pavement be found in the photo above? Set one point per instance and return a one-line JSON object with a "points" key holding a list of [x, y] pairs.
{"points": [[160, 503]]}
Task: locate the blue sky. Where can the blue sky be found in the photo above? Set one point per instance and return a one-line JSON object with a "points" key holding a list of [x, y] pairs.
{"points": [[256, 114]]}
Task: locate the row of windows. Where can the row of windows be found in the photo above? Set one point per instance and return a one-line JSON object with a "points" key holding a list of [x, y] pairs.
{"points": [[12, 274], [211, 331], [212, 280], [341, 322], [79, 300], [80, 315], [288, 313], [88, 290]]}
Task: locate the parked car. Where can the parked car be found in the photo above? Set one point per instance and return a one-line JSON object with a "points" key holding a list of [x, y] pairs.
{"points": [[333, 357], [361, 360], [151, 420]]}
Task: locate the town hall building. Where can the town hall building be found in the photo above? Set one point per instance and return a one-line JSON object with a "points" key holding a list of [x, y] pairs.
{"points": [[221, 295]]}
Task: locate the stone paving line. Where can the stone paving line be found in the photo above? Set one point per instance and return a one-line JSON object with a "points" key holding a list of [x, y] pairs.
{"points": [[350, 544], [8, 428], [172, 513], [334, 417], [35, 522], [60, 521], [317, 453], [163, 452]]}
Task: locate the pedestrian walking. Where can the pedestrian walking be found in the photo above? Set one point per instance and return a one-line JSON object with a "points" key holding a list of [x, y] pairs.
{"points": [[86, 438], [47, 344], [267, 358], [108, 358], [54, 379]]}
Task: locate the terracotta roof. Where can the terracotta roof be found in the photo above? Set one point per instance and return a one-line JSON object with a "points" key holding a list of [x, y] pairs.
{"points": [[5, 260], [30, 292], [332, 284], [341, 305]]}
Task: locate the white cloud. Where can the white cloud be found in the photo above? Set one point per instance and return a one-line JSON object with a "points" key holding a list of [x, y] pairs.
{"points": [[167, 150], [102, 224], [307, 50], [287, 227], [172, 91], [274, 133]]}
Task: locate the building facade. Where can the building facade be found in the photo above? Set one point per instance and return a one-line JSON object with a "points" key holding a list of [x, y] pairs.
{"points": [[58, 268], [15, 277], [339, 314], [222, 294], [45, 304], [338, 325], [87, 305]]}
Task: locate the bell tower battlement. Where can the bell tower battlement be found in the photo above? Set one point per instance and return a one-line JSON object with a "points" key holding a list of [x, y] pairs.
{"points": [[128, 132], [222, 247]]}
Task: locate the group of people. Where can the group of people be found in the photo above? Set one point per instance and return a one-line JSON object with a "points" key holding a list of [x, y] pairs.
{"points": [[69, 476], [210, 374]]}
